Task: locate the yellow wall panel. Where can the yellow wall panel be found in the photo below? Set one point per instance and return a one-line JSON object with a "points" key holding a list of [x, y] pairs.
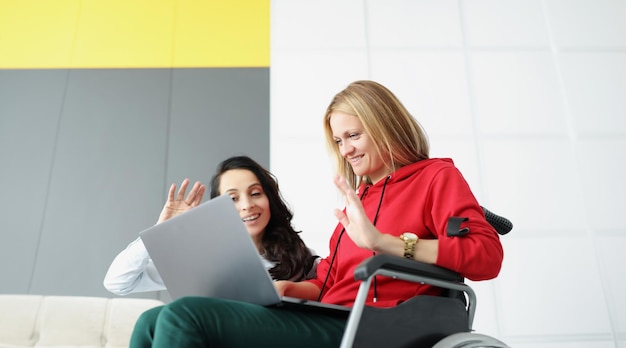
{"points": [[124, 33], [134, 33], [227, 33], [37, 34]]}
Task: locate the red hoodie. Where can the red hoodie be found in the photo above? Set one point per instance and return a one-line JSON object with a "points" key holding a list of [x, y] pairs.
{"points": [[417, 198]]}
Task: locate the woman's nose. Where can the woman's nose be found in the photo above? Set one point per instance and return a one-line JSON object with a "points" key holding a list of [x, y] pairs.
{"points": [[246, 203], [345, 148]]}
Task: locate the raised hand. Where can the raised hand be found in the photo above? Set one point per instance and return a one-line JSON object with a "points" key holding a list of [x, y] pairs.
{"points": [[177, 204], [358, 226]]}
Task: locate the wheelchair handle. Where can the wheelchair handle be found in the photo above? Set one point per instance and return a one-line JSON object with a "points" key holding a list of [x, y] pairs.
{"points": [[500, 223]]}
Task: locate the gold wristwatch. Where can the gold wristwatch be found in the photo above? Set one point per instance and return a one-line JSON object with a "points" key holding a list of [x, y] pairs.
{"points": [[410, 239]]}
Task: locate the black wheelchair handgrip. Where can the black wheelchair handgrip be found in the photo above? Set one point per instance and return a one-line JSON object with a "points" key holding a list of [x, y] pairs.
{"points": [[399, 264], [500, 223]]}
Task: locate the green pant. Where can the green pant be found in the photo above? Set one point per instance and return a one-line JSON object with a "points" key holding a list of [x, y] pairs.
{"points": [[210, 322], [143, 334]]}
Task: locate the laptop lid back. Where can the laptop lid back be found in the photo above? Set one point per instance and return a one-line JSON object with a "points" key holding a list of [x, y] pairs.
{"points": [[207, 251]]}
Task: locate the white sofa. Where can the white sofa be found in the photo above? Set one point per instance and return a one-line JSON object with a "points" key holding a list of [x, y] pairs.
{"points": [[68, 321]]}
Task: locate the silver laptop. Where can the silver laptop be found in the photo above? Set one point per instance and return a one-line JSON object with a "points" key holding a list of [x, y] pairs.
{"points": [[207, 251]]}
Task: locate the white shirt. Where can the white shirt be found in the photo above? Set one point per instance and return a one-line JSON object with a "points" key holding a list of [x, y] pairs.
{"points": [[132, 271]]}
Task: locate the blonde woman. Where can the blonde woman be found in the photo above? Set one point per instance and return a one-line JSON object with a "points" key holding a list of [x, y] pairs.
{"points": [[398, 202]]}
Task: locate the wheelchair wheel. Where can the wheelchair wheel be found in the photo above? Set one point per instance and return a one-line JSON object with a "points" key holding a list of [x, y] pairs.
{"points": [[470, 340]]}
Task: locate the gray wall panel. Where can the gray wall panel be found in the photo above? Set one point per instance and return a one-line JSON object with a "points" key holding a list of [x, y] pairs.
{"points": [[217, 113], [30, 105], [87, 181], [107, 176]]}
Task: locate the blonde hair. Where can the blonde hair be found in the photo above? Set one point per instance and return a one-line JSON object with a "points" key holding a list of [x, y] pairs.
{"points": [[399, 139]]}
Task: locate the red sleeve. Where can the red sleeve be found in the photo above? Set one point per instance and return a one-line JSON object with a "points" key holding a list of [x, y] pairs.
{"points": [[477, 255]]}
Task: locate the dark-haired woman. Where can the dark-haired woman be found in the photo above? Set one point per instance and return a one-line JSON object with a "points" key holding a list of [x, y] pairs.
{"points": [[255, 193]]}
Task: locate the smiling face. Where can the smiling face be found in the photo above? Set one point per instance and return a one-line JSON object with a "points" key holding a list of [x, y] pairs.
{"points": [[250, 199], [356, 146]]}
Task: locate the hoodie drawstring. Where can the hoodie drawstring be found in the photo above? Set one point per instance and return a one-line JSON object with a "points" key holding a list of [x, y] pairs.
{"points": [[380, 203], [343, 230]]}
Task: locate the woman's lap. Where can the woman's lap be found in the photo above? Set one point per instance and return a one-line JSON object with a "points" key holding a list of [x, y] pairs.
{"points": [[209, 322], [144, 328]]}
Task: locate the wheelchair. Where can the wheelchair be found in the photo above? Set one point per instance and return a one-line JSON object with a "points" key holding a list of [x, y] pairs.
{"points": [[441, 321]]}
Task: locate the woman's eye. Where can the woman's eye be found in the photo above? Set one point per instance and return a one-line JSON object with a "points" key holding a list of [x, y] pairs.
{"points": [[354, 135], [234, 198], [337, 141]]}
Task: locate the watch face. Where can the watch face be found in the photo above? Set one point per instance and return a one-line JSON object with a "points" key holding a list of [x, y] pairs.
{"points": [[409, 236]]}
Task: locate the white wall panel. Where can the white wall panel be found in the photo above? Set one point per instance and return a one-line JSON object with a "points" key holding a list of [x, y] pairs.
{"points": [[602, 169], [308, 81], [517, 93], [513, 23], [609, 248], [320, 24], [595, 85], [413, 23], [535, 182], [587, 23], [550, 286], [305, 175], [432, 85]]}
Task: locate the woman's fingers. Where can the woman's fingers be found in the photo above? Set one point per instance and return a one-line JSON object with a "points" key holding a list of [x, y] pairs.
{"points": [[347, 191], [340, 183], [170, 194], [193, 198], [195, 195], [342, 218], [183, 188], [352, 201], [199, 194], [355, 220]]}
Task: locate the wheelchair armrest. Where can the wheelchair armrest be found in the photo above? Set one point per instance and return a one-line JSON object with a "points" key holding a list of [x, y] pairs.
{"points": [[368, 267], [408, 270]]}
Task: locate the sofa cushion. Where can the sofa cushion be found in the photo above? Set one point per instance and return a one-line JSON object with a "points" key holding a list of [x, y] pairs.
{"points": [[44, 321]]}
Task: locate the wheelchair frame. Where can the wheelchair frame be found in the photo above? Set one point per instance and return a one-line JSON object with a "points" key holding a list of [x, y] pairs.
{"points": [[415, 271]]}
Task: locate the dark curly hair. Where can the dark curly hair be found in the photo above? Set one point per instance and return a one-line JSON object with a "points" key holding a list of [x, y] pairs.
{"points": [[281, 242]]}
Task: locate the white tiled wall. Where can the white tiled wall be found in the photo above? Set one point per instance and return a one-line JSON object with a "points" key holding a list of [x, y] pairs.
{"points": [[529, 99]]}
